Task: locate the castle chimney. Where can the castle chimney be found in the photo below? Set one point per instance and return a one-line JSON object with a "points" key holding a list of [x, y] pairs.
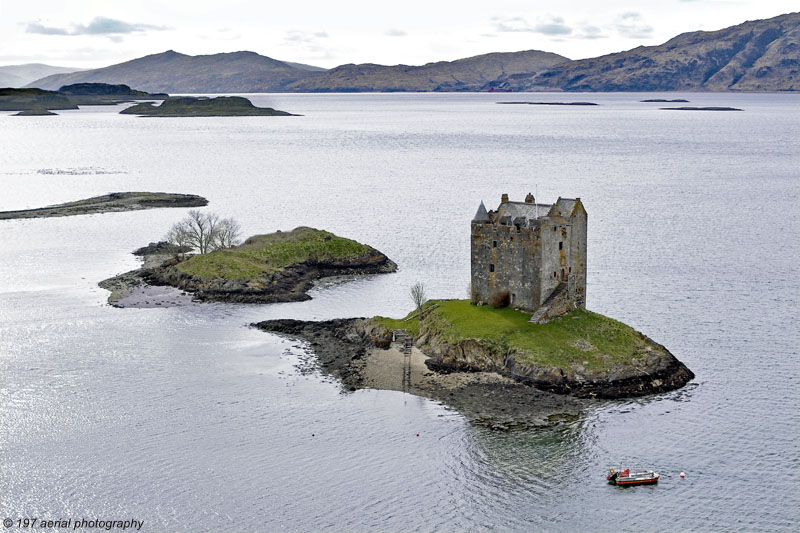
{"points": [[529, 199], [504, 198]]}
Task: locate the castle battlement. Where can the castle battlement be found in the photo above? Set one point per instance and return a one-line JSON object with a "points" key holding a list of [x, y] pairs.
{"points": [[533, 254]]}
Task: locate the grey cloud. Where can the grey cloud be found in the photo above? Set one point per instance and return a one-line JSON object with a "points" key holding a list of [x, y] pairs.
{"points": [[35, 27], [308, 43], [98, 26], [394, 32], [102, 26], [632, 25], [555, 26], [552, 28], [590, 32]]}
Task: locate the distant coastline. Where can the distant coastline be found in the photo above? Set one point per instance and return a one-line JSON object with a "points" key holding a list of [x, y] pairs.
{"points": [[107, 203]]}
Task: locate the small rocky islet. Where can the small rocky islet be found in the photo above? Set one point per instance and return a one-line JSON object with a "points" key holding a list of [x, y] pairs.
{"points": [[191, 106], [271, 268], [107, 203]]}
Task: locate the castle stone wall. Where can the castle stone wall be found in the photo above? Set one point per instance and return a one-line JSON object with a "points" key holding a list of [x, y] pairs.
{"points": [[531, 259]]}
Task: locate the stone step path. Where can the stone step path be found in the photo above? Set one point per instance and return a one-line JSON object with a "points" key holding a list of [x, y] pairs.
{"points": [[561, 287], [406, 343]]}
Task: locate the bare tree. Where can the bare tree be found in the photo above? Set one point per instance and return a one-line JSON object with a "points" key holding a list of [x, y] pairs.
{"points": [[417, 293], [204, 232], [228, 234]]}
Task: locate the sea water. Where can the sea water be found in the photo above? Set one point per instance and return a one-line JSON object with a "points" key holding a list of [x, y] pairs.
{"points": [[188, 420]]}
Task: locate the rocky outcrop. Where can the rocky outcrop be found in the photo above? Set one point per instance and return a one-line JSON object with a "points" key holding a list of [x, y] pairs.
{"points": [[654, 370], [290, 284], [113, 202], [350, 350]]}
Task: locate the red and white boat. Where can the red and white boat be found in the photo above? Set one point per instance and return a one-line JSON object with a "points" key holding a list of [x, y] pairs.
{"points": [[626, 477]]}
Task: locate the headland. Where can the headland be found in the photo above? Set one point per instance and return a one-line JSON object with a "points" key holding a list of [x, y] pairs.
{"points": [[112, 202]]}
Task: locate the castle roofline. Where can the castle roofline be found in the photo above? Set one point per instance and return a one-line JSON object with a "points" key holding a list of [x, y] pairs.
{"points": [[481, 215]]}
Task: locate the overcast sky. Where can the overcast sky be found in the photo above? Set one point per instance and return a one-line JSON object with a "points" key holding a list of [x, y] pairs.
{"points": [[89, 33]]}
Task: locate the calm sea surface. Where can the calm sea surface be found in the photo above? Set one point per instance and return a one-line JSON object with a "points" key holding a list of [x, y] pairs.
{"points": [[190, 421]]}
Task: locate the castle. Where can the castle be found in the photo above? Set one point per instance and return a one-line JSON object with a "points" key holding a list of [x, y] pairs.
{"points": [[531, 256]]}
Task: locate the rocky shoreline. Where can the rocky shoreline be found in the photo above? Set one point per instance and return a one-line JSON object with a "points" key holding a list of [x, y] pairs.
{"points": [[290, 284], [158, 283], [113, 202], [362, 354]]}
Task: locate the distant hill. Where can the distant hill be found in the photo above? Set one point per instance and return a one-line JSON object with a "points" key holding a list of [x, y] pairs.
{"points": [[470, 74], [171, 72], [760, 55], [244, 72], [21, 75]]}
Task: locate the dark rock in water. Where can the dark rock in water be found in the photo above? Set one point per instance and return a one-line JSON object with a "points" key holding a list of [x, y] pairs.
{"points": [[665, 101], [689, 108], [162, 247], [548, 103], [189, 106], [346, 348], [35, 113]]}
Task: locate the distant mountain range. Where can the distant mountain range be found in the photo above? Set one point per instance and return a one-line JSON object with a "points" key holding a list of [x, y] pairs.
{"points": [[762, 55], [21, 75]]}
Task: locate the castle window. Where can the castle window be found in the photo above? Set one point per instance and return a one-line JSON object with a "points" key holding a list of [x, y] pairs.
{"points": [[491, 267], [494, 244], [517, 229], [561, 245], [554, 228]]}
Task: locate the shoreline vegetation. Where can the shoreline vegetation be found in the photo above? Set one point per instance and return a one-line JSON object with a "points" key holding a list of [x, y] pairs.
{"points": [[190, 106], [493, 365], [110, 203], [35, 102], [277, 267]]}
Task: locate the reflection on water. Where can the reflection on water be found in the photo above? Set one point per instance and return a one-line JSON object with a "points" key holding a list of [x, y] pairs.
{"points": [[191, 421]]}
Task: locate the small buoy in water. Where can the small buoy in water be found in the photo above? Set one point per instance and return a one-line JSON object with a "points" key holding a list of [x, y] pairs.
{"points": [[417, 434], [683, 475]]}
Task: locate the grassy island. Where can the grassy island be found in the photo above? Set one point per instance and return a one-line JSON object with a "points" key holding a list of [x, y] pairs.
{"points": [[581, 353], [265, 254], [189, 106], [580, 338], [277, 267]]}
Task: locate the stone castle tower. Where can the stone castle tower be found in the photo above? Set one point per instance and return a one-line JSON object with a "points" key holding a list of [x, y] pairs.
{"points": [[533, 254]]}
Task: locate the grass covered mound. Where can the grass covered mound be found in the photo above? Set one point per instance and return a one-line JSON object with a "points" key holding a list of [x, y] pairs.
{"points": [[581, 353], [278, 267], [582, 337], [190, 106], [262, 254]]}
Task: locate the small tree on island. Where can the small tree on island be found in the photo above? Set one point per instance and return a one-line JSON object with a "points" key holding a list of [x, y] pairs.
{"points": [[418, 296], [204, 232]]}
